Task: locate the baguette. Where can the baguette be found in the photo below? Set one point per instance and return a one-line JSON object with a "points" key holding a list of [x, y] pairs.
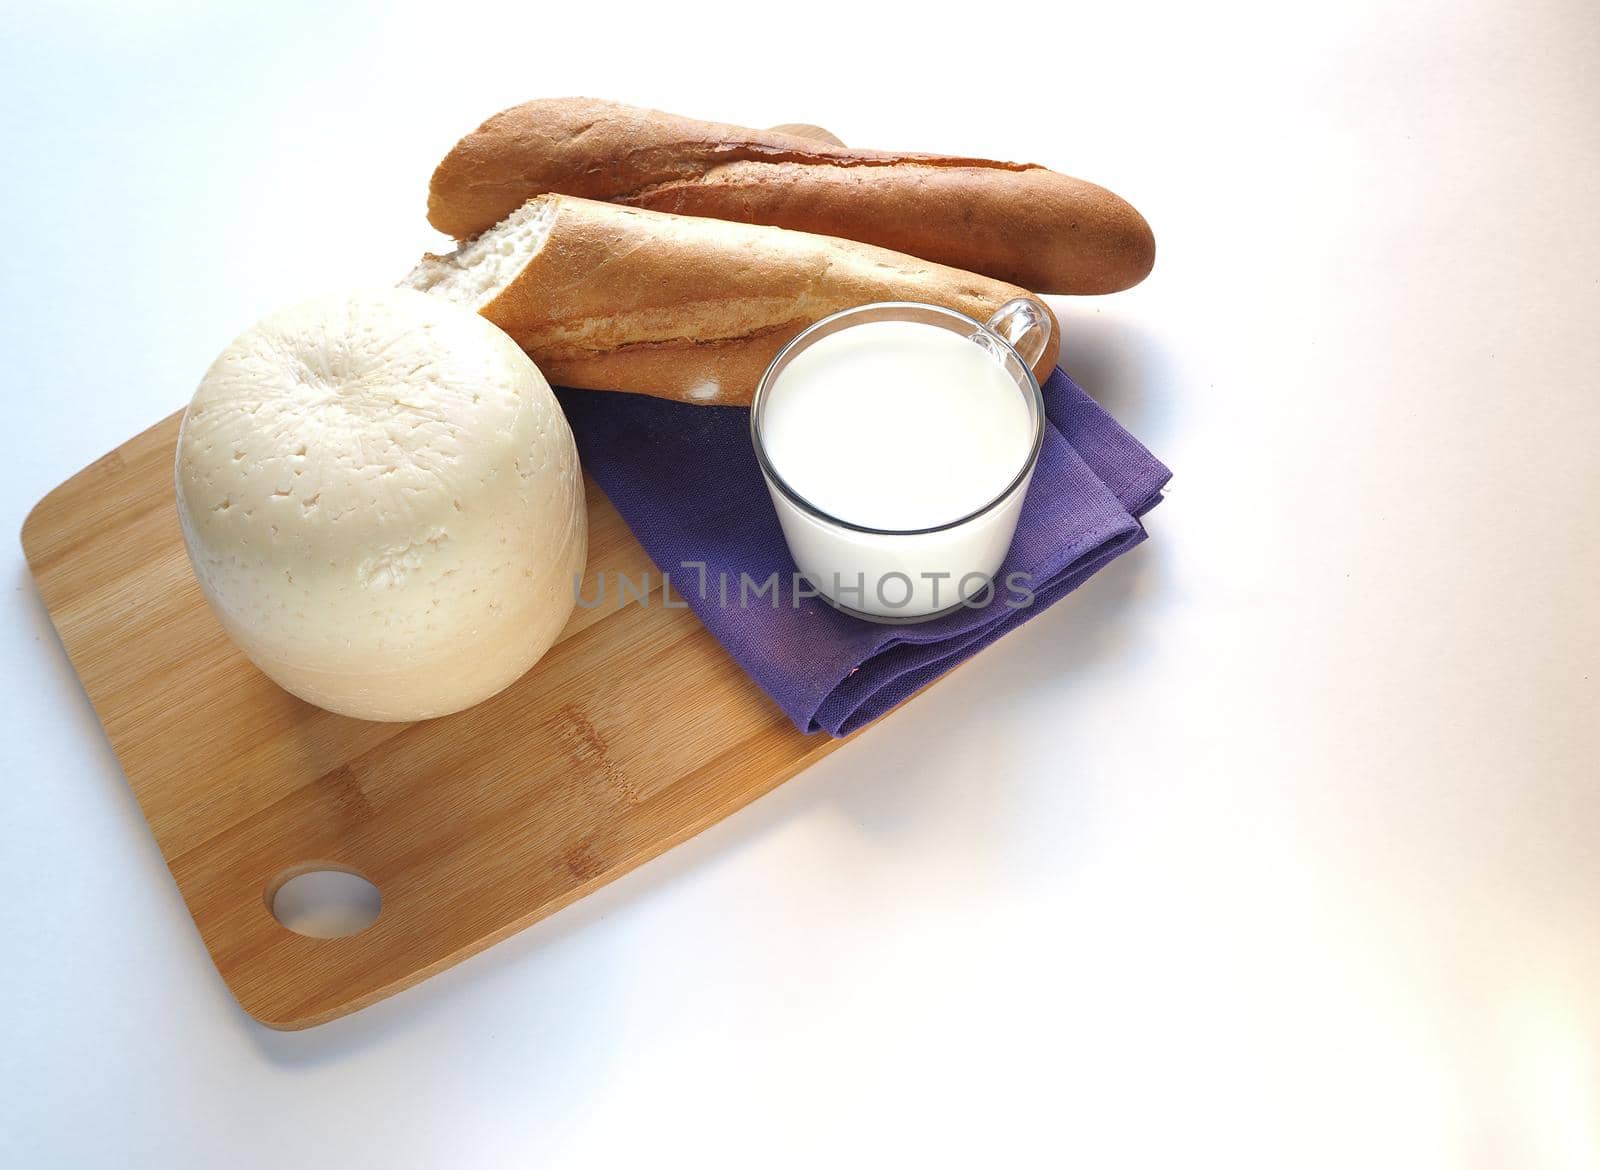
{"points": [[617, 298], [1015, 222]]}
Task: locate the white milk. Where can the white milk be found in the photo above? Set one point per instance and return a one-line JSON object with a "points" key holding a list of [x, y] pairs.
{"points": [[897, 425]]}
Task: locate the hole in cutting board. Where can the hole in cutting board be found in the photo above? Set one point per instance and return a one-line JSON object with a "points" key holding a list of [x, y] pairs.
{"points": [[325, 903]]}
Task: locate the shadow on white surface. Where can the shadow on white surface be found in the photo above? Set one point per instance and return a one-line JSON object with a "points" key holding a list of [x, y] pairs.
{"points": [[1124, 367], [327, 903]]}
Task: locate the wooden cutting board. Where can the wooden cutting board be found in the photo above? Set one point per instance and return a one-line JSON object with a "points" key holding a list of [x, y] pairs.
{"points": [[634, 733]]}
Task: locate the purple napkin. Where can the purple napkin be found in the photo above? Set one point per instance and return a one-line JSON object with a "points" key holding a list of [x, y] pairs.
{"points": [[685, 479]]}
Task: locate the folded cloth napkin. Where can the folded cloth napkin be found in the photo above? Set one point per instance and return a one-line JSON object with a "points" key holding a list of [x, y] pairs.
{"points": [[686, 481]]}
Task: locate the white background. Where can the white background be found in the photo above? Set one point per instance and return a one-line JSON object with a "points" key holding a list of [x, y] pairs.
{"points": [[1276, 845]]}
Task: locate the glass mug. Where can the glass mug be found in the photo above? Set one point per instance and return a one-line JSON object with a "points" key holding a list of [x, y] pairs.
{"points": [[913, 574]]}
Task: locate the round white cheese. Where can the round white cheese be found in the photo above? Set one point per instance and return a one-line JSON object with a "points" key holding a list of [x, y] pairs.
{"points": [[382, 503]]}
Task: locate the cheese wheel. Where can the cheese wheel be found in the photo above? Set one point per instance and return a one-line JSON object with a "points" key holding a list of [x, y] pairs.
{"points": [[382, 502]]}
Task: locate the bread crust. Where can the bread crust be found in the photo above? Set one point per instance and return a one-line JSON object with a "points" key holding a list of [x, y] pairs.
{"points": [[807, 130], [621, 298], [1016, 222]]}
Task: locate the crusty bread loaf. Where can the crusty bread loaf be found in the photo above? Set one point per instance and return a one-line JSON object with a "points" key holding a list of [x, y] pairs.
{"points": [[616, 298], [1013, 221]]}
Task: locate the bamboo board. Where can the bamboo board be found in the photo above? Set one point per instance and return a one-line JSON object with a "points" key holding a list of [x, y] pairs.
{"points": [[633, 734]]}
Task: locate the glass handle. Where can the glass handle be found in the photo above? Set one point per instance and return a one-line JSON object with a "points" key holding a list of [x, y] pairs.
{"points": [[1026, 326]]}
